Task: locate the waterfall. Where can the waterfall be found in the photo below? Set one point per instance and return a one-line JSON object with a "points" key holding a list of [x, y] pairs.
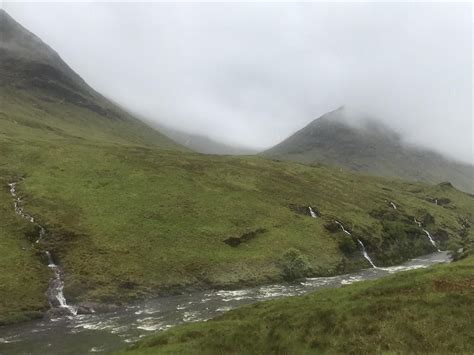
{"points": [[366, 256], [342, 227], [56, 284], [431, 239], [362, 246], [393, 205], [427, 234], [311, 212]]}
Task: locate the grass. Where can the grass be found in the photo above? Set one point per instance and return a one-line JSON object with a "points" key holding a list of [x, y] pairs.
{"points": [[427, 311], [130, 219], [24, 278]]}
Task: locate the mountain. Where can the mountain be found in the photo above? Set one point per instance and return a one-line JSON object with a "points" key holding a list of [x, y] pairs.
{"points": [[202, 144], [121, 212], [54, 98], [369, 147]]}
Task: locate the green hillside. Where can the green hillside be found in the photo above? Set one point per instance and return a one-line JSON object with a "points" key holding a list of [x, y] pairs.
{"points": [[130, 213], [369, 147], [40, 93], [427, 311]]}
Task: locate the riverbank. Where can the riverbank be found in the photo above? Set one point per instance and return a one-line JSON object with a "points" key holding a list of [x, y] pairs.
{"points": [[161, 221], [421, 311], [114, 330]]}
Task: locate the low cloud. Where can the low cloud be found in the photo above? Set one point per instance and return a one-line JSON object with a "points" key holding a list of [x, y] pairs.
{"points": [[251, 74]]}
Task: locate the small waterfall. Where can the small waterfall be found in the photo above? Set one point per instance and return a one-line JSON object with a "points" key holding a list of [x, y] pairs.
{"points": [[427, 234], [431, 239], [393, 205], [56, 284], [362, 246], [311, 212], [342, 227], [366, 256]]}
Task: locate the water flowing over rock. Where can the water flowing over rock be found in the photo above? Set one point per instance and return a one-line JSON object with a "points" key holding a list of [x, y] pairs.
{"points": [[312, 213], [393, 205], [427, 234], [362, 246], [342, 227], [364, 252], [55, 294]]}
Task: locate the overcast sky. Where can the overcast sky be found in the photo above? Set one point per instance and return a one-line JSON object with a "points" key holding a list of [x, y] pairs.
{"points": [[252, 74]]}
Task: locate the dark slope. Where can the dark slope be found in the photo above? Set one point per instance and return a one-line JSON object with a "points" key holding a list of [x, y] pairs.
{"points": [[371, 148], [32, 75]]}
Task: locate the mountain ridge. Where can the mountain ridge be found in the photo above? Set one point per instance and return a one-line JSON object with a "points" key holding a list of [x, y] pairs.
{"points": [[371, 147], [32, 72]]}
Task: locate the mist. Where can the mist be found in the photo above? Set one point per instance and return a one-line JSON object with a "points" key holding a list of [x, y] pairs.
{"points": [[251, 74]]}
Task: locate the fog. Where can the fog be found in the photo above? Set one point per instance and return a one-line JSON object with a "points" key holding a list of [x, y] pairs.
{"points": [[251, 74]]}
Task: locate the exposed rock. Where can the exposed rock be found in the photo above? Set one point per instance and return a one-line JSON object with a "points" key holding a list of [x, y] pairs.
{"points": [[93, 307], [237, 240], [440, 235], [446, 184], [58, 312], [332, 226]]}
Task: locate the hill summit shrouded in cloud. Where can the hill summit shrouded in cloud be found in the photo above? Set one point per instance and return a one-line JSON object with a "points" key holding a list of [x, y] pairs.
{"points": [[248, 74], [364, 144], [32, 70]]}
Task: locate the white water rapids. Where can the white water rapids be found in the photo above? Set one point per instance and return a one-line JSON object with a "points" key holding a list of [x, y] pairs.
{"points": [[55, 292]]}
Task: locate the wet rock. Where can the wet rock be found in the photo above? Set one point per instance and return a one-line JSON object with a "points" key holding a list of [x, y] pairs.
{"points": [[439, 201], [440, 235], [93, 307], [427, 219], [58, 312], [332, 227]]}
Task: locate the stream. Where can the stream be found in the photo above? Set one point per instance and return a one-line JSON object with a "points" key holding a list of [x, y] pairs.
{"points": [[82, 334]]}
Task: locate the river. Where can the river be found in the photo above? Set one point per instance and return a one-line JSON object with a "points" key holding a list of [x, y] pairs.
{"points": [[82, 334]]}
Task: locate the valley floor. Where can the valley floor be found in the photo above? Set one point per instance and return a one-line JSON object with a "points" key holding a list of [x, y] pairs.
{"points": [[427, 311]]}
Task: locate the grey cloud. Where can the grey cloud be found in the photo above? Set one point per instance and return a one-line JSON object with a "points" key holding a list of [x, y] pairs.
{"points": [[252, 74]]}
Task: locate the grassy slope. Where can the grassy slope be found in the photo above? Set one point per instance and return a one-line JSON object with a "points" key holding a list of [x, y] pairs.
{"points": [[428, 311], [23, 279], [127, 220]]}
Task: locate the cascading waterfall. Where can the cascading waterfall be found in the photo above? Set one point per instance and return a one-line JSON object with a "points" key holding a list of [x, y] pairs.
{"points": [[342, 227], [362, 246], [311, 212], [56, 284], [364, 252], [427, 234]]}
